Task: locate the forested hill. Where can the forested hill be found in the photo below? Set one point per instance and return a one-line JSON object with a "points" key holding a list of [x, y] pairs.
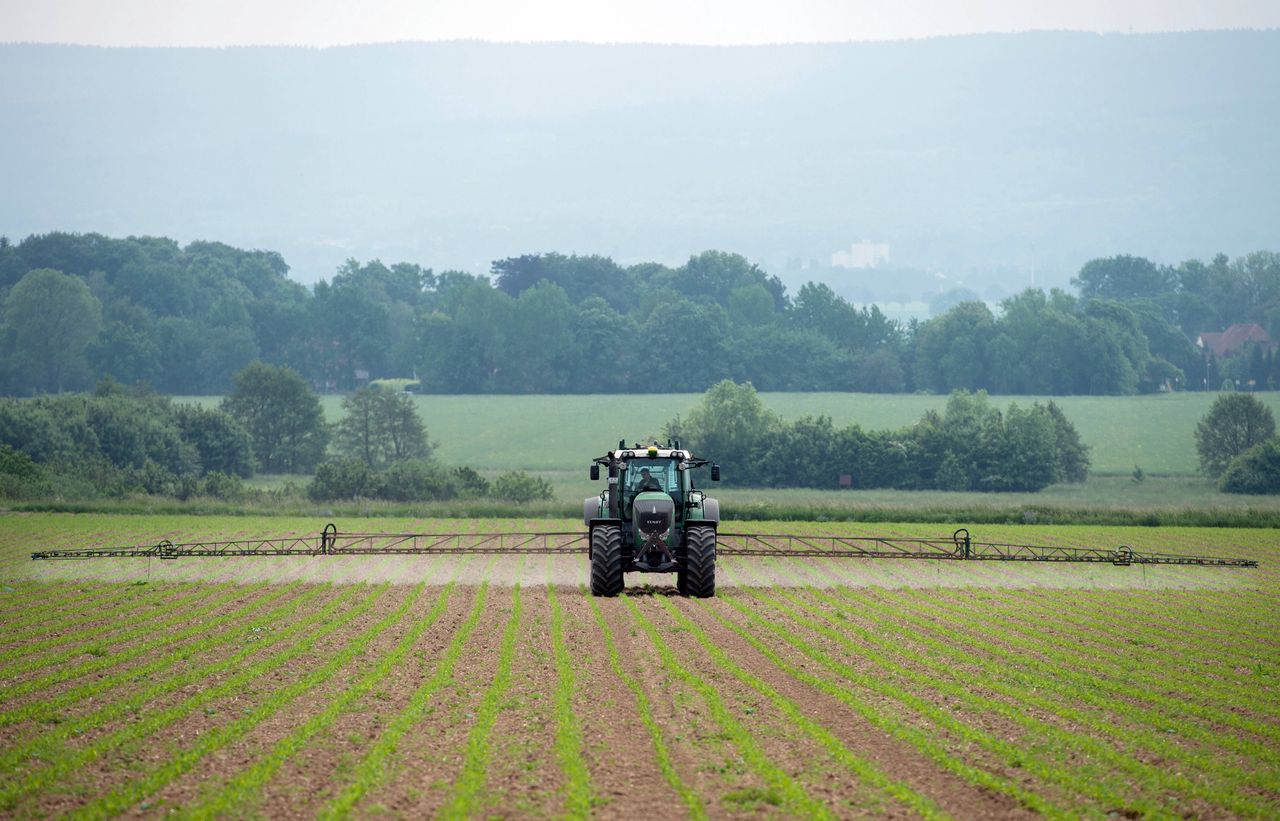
{"points": [[1030, 152], [77, 307]]}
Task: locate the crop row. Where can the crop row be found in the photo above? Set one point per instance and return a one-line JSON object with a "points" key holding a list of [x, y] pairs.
{"points": [[125, 722], [131, 792], [801, 700], [47, 702], [962, 669], [1125, 659]]}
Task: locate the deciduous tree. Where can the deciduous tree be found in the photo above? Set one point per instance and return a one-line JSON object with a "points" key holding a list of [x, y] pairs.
{"points": [[283, 417], [51, 318], [1235, 423], [381, 428]]}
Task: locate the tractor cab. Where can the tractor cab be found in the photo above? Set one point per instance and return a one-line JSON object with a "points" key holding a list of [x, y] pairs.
{"points": [[646, 475]]}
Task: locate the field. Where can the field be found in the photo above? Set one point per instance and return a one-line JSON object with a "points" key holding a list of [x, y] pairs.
{"points": [[564, 432], [479, 686], [556, 437]]}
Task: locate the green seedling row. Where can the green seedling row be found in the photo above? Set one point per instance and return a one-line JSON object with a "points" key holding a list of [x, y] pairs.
{"points": [[920, 694], [76, 628], [866, 771], [1061, 691], [46, 743], [109, 656], [239, 795], [1098, 680], [569, 744], [466, 801], [928, 743], [1098, 643], [371, 771], [693, 802], [49, 607], [130, 793], [68, 761], [793, 796], [1125, 725], [127, 629], [1105, 785], [50, 704], [1150, 618]]}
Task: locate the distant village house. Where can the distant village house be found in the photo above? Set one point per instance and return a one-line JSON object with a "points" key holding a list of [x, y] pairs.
{"points": [[1233, 340]]}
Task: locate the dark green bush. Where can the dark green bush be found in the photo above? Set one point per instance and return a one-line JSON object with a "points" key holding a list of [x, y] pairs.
{"points": [[20, 476], [218, 485], [221, 443], [519, 487], [470, 483], [1255, 471], [344, 479], [417, 480], [414, 480], [126, 439], [156, 479]]}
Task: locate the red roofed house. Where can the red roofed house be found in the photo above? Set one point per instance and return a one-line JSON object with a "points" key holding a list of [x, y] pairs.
{"points": [[1231, 341]]}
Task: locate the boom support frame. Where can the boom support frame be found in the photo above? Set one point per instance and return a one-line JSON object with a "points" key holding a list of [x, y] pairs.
{"points": [[331, 542]]}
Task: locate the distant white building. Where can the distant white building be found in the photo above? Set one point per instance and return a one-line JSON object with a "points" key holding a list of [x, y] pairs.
{"points": [[865, 254]]}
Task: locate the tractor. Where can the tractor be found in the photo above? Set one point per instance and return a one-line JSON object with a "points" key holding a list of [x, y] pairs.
{"points": [[651, 519]]}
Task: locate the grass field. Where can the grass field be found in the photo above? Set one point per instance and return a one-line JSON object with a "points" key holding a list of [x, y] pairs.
{"points": [[480, 686], [562, 433], [556, 437]]}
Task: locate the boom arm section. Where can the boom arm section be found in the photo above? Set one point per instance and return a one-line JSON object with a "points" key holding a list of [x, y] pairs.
{"points": [[330, 542]]}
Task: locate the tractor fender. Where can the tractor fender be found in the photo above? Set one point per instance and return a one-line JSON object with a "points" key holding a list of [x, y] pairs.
{"points": [[711, 510], [590, 509]]}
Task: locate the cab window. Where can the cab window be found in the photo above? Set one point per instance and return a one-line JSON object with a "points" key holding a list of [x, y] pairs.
{"points": [[652, 474]]}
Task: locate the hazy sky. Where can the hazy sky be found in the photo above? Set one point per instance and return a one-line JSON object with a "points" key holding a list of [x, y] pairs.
{"points": [[722, 22]]}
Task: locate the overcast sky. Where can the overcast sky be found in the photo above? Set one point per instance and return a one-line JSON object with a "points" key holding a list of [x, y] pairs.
{"points": [[720, 22]]}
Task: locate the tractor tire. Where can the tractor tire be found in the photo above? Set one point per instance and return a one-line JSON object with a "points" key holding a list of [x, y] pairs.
{"points": [[606, 560], [700, 569]]}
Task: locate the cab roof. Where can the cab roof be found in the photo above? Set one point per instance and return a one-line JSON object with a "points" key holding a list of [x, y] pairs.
{"points": [[643, 452]]}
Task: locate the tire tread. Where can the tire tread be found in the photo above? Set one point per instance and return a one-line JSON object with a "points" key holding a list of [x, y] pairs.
{"points": [[606, 560], [700, 569]]}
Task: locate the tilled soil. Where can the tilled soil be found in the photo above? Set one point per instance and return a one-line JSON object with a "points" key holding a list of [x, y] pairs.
{"points": [[894, 757], [755, 759]]}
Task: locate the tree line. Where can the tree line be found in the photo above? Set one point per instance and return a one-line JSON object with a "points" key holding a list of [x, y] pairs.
{"points": [[185, 319], [119, 441], [971, 445], [1130, 330]]}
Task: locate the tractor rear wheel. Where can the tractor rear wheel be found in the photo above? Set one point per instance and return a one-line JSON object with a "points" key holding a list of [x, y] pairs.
{"points": [[606, 560], [700, 567]]}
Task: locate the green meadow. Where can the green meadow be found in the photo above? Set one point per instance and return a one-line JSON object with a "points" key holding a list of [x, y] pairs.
{"points": [[562, 433], [557, 436]]}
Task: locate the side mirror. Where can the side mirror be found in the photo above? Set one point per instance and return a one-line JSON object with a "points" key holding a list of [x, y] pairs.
{"points": [[715, 473], [595, 473]]}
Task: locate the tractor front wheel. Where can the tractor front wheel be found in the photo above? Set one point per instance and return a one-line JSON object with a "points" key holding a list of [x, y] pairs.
{"points": [[700, 566], [606, 560]]}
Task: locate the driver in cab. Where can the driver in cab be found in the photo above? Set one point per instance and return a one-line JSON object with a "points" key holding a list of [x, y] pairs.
{"points": [[647, 481]]}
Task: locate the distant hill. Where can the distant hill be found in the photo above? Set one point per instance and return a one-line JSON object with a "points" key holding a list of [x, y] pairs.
{"points": [[983, 157]]}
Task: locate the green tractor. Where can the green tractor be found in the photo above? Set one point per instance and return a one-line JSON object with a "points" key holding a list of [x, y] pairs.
{"points": [[651, 519]]}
